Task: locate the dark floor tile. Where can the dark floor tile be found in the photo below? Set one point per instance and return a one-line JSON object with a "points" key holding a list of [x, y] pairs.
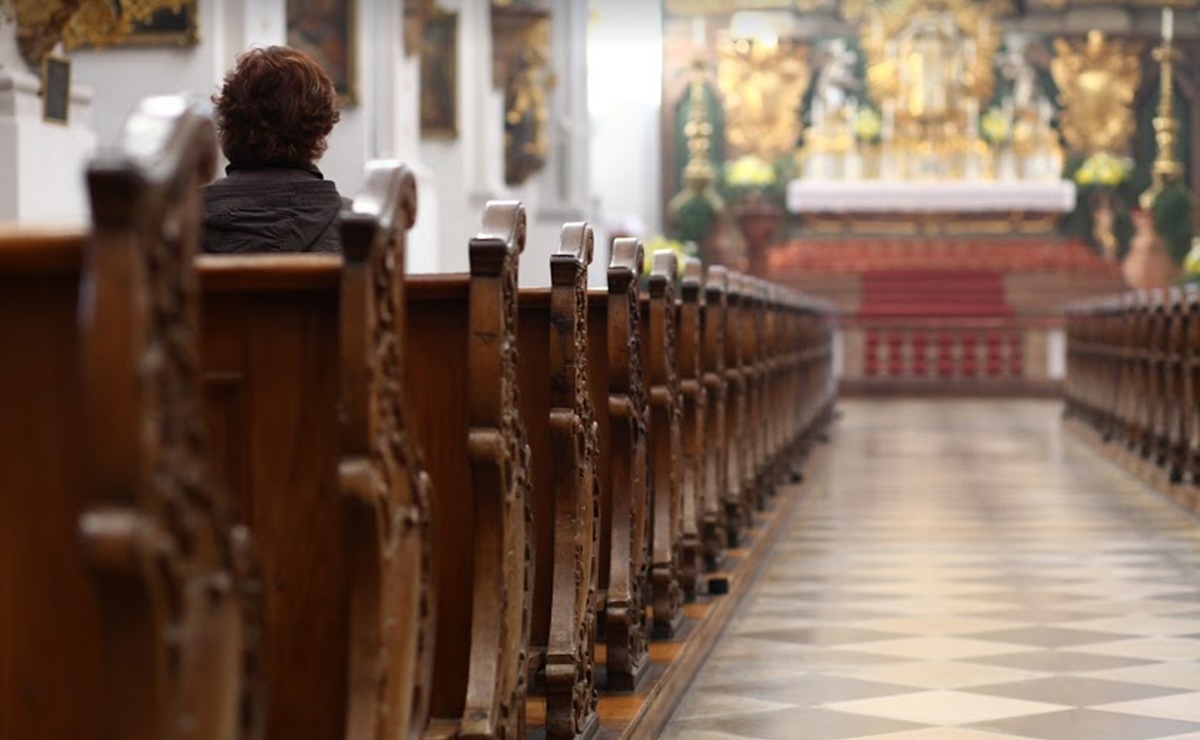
{"points": [[1076, 691], [1089, 724], [811, 689], [1049, 637], [1059, 661], [794, 724], [830, 635], [1039, 615]]}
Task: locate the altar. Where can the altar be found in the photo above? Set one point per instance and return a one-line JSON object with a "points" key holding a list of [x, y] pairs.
{"points": [[948, 132], [883, 196]]}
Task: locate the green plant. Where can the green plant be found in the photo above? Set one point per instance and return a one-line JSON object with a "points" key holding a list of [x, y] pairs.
{"points": [[868, 126], [660, 243], [1103, 170], [1172, 211], [995, 126], [693, 220]]}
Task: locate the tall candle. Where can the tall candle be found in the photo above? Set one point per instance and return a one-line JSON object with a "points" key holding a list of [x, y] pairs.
{"points": [[1168, 24], [699, 30]]}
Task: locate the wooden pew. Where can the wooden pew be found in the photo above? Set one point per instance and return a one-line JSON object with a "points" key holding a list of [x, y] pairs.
{"points": [[303, 361], [616, 375], [664, 446], [129, 596], [737, 514], [556, 402], [462, 367], [714, 532], [755, 480], [693, 398]]}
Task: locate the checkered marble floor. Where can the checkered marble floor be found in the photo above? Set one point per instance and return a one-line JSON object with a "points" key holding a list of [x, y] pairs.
{"points": [[964, 570]]}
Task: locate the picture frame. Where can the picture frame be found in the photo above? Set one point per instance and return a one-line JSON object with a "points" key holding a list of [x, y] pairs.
{"points": [[168, 27], [439, 76], [56, 90], [327, 30]]}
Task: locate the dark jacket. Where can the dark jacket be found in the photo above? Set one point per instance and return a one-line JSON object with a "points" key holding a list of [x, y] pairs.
{"points": [[272, 209]]}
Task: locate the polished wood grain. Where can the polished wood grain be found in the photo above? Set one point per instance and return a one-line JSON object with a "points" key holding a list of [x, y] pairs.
{"points": [[665, 446], [463, 368], [693, 407], [130, 607], [625, 535]]}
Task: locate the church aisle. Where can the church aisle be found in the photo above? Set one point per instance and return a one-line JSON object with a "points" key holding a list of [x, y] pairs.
{"points": [[964, 570]]}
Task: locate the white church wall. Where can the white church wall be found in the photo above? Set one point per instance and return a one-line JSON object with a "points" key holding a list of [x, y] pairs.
{"points": [[467, 170], [121, 76], [41, 163], [624, 100]]}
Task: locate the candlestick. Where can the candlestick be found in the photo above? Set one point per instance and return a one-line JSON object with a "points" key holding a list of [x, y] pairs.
{"points": [[1166, 169], [699, 30], [1168, 24]]}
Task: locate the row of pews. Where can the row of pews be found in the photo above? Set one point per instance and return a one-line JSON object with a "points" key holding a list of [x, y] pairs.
{"points": [[308, 496], [1133, 380]]}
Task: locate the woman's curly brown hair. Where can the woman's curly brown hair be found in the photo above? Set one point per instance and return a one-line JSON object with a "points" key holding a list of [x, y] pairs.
{"points": [[276, 107]]}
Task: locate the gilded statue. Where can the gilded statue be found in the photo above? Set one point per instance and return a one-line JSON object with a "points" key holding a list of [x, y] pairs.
{"points": [[527, 108], [762, 86], [1097, 80]]}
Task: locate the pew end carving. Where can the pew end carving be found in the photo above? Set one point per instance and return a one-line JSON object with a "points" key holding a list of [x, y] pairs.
{"points": [[665, 446], [626, 634], [387, 493], [570, 655], [176, 578], [689, 318]]}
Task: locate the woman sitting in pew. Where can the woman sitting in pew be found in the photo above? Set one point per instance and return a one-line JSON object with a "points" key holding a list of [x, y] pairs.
{"points": [[273, 115]]}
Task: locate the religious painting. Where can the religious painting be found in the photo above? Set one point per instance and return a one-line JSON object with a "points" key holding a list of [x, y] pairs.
{"points": [[124, 23], [325, 30], [175, 26], [56, 90], [439, 76]]}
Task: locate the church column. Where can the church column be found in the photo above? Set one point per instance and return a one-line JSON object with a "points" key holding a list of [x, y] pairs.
{"points": [[562, 189]]}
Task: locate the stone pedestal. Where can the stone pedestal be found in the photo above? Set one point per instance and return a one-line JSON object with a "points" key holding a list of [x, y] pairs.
{"points": [[42, 179]]}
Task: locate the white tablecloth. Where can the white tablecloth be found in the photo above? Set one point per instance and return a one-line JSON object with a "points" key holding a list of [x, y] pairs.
{"points": [[867, 196]]}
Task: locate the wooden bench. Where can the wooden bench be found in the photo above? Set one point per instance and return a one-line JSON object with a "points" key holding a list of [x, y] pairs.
{"points": [[664, 445], [387, 506], [556, 403], [303, 363], [463, 371], [616, 375], [130, 595]]}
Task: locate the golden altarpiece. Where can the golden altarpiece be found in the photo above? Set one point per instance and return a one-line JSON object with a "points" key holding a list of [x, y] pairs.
{"points": [[915, 117]]}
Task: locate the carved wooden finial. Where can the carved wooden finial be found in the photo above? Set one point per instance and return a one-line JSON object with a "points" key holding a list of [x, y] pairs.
{"points": [[152, 525]]}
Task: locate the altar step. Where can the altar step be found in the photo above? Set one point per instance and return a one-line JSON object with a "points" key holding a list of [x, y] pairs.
{"points": [[957, 316], [933, 294]]}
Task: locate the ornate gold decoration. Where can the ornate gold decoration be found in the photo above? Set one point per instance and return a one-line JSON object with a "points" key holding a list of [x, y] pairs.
{"points": [[909, 42], [42, 24], [521, 66], [415, 13], [763, 85], [1097, 80], [1167, 168], [699, 175]]}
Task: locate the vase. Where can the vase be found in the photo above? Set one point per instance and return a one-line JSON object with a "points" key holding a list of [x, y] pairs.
{"points": [[759, 220], [1148, 265], [1103, 217]]}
